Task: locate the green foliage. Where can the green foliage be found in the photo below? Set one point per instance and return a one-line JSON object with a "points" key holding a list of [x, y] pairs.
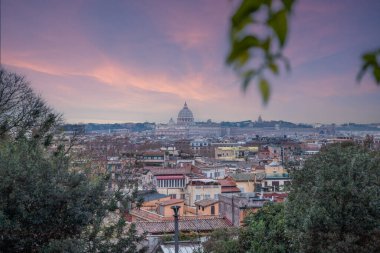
{"points": [[258, 35], [334, 202], [249, 48], [222, 241], [371, 60], [23, 112], [46, 206], [265, 230], [40, 200]]}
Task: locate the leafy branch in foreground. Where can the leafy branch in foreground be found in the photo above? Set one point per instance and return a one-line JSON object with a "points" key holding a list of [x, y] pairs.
{"points": [[371, 60], [258, 33]]}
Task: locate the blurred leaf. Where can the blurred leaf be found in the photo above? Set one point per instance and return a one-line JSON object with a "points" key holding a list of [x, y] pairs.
{"points": [[288, 4], [279, 24], [274, 68], [265, 90], [370, 60], [376, 74], [369, 57], [362, 71], [247, 77], [241, 47], [266, 45], [242, 15]]}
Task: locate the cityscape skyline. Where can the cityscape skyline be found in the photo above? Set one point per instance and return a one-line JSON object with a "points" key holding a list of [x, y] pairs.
{"points": [[140, 61]]}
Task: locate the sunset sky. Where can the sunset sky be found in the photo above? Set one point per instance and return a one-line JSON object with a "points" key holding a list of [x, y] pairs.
{"points": [[135, 61]]}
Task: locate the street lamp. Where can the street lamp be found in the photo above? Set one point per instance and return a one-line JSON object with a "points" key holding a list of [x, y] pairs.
{"points": [[176, 210]]}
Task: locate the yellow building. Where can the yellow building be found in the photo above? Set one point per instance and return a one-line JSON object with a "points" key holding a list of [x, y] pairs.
{"points": [[207, 207], [165, 209], [244, 181], [234, 153], [200, 189], [276, 177]]}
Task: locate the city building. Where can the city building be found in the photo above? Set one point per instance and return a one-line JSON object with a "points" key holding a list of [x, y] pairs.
{"points": [[186, 126], [235, 207]]}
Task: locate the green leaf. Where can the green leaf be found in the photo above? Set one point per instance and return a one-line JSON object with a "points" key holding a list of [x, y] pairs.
{"points": [[242, 15], [279, 23], [288, 4], [241, 47], [362, 71], [266, 45], [265, 90], [369, 58], [274, 68], [376, 74], [247, 77]]}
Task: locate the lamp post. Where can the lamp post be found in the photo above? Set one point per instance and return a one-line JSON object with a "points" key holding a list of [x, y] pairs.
{"points": [[176, 246]]}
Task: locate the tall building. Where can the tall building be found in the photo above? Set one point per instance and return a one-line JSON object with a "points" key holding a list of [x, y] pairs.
{"points": [[186, 127], [185, 116]]}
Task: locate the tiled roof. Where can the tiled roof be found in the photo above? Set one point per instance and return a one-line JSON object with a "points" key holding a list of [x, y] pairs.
{"points": [[230, 189], [206, 202], [161, 227], [243, 176], [226, 182], [171, 202]]}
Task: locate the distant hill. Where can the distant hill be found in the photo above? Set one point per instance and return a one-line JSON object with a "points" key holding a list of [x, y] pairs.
{"points": [[92, 127], [272, 124]]}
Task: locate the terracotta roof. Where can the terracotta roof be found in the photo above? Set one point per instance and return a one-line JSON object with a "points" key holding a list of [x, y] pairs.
{"points": [[161, 227], [230, 189], [226, 182], [171, 202], [206, 202]]}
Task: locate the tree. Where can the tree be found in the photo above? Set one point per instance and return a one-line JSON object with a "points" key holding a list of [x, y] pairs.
{"points": [[255, 52], [47, 204], [22, 111], [334, 201], [222, 241], [265, 230]]}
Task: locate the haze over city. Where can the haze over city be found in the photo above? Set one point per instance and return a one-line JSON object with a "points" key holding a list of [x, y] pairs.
{"points": [[135, 61]]}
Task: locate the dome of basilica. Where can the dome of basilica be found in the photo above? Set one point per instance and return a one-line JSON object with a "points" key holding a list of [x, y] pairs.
{"points": [[185, 116]]}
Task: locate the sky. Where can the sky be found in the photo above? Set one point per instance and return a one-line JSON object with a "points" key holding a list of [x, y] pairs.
{"points": [[136, 61]]}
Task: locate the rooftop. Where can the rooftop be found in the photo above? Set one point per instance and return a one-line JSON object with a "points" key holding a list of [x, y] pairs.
{"points": [[243, 176], [204, 225], [171, 202], [206, 202]]}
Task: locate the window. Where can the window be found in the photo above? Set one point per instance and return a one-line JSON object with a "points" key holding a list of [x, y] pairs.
{"points": [[216, 196], [203, 208], [198, 197], [173, 196], [207, 196]]}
